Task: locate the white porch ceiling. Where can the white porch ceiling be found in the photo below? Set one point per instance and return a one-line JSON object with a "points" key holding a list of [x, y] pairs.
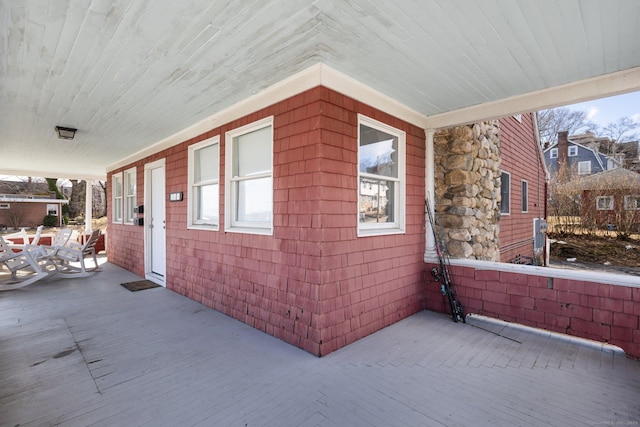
{"points": [[131, 73]]}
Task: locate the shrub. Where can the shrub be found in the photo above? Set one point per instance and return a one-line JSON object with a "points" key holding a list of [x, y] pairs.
{"points": [[50, 221]]}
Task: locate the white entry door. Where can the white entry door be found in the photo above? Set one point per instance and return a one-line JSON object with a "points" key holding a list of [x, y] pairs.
{"points": [[155, 222]]}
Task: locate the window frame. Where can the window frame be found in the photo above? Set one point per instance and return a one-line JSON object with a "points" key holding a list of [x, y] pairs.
{"points": [[572, 151], [53, 207], [129, 200], [580, 164], [399, 225], [232, 183], [524, 185], [626, 202], [609, 206], [508, 193], [553, 153], [117, 200], [192, 199]]}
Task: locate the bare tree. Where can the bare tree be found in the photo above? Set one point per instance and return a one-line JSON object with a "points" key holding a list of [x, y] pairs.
{"points": [[621, 130], [554, 120]]}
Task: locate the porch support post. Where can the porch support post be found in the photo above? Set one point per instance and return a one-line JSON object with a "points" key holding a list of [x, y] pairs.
{"points": [[88, 207], [429, 178]]}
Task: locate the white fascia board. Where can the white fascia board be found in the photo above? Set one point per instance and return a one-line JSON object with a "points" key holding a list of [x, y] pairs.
{"points": [[570, 93]]}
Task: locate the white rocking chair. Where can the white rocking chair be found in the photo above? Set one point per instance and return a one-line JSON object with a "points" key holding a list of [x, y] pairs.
{"points": [[17, 261], [64, 256]]}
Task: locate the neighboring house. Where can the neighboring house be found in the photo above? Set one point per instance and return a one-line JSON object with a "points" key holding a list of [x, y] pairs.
{"points": [[612, 199], [580, 160], [23, 210], [523, 206]]}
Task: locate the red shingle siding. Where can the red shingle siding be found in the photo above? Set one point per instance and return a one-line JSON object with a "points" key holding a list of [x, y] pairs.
{"points": [[313, 283], [521, 158]]}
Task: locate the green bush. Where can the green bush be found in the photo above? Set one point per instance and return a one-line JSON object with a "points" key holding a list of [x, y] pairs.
{"points": [[50, 221]]}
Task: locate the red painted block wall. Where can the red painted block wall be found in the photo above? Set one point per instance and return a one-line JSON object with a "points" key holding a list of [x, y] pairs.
{"points": [[597, 311], [314, 283]]}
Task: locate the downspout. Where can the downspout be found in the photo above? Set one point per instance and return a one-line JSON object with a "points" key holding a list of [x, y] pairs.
{"points": [[429, 185]]}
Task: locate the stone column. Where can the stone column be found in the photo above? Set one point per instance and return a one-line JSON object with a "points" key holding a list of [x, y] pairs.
{"points": [[467, 161]]}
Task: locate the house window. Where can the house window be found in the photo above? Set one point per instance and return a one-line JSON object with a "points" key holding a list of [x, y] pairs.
{"points": [[584, 168], [381, 177], [525, 196], [604, 203], [129, 195], [631, 203], [573, 151], [553, 154], [52, 209], [505, 193], [204, 185], [518, 117], [116, 190], [5, 205], [249, 178]]}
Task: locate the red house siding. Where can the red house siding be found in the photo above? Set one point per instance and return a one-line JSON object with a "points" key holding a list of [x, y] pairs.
{"points": [[313, 283], [521, 158]]}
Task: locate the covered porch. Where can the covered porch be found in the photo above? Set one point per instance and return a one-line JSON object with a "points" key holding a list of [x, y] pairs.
{"points": [[80, 352]]}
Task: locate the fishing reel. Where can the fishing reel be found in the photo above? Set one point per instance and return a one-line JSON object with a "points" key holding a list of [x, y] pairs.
{"points": [[436, 274]]}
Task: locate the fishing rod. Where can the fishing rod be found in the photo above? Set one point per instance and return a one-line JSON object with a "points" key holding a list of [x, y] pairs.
{"points": [[442, 273]]}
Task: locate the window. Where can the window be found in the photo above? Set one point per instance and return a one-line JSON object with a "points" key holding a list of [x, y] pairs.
{"points": [[204, 188], [116, 190], [129, 195], [381, 177], [249, 178], [584, 168], [525, 196], [505, 193], [52, 209], [518, 117], [631, 203], [604, 203], [573, 151], [5, 205], [553, 154]]}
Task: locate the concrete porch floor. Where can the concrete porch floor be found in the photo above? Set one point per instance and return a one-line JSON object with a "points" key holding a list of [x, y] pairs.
{"points": [[85, 352]]}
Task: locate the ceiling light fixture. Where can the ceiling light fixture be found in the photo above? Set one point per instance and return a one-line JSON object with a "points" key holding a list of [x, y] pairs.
{"points": [[66, 133]]}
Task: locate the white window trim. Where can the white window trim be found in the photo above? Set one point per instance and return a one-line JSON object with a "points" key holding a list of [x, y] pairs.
{"points": [[553, 153], [572, 151], [525, 195], [191, 223], [508, 212], [230, 225], [586, 162], [518, 117], [609, 204], [5, 205], [117, 217], [626, 202], [128, 199], [397, 227]]}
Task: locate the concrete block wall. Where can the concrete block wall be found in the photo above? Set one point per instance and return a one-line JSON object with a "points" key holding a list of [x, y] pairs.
{"points": [[598, 311]]}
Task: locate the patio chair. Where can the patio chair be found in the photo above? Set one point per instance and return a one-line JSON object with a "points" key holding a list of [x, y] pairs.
{"points": [[60, 240], [73, 252], [27, 239], [17, 261]]}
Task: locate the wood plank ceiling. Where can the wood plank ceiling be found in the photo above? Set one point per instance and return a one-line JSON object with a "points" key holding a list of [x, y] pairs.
{"points": [[130, 73]]}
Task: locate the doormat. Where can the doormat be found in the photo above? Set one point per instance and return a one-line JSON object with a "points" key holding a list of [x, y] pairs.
{"points": [[140, 285]]}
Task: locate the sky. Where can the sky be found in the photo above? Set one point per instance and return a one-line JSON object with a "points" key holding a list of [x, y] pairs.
{"points": [[605, 110]]}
